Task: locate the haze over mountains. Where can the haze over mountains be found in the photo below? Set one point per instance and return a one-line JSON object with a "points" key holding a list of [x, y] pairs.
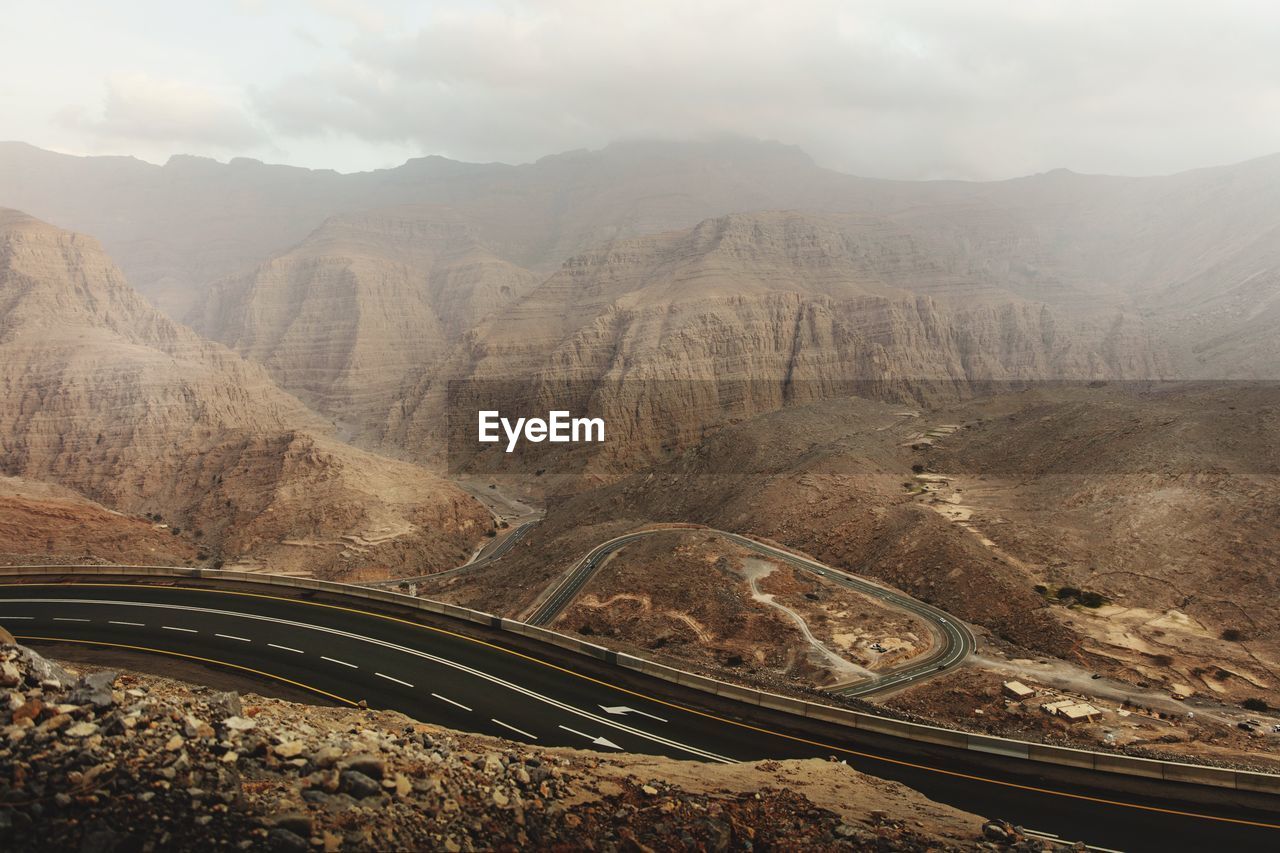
{"points": [[346, 303], [101, 393]]}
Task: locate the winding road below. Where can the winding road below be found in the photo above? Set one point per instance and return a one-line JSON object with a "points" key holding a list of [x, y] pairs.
{"points": [[473, 678], [955, 641]]}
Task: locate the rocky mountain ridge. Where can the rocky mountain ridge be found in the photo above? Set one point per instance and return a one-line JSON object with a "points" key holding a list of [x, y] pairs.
{"points": [[101, 393]]}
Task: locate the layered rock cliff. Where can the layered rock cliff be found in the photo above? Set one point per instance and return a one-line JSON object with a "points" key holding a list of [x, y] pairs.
{"points": [[101, 393], [668, 335], [364, 302]]}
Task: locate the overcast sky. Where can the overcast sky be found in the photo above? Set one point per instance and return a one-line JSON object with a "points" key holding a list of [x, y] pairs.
{"points": [[895, 88]]}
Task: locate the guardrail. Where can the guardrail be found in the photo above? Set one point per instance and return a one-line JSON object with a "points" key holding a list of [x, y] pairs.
{"points": [[1170, 771]]}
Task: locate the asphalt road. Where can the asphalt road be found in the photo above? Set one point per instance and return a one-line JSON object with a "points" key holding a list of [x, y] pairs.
{"points": [[346, 654], [955, 644], [487, 554]]}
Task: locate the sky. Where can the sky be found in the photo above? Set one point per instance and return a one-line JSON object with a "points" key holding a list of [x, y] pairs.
{"points": [[915, 89]]}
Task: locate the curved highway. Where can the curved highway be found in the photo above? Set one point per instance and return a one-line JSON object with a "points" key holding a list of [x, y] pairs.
{"points": [[955, 641], [436, 672], [494, 552]]}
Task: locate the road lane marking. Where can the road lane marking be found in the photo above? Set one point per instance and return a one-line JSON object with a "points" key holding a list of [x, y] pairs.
{"points": [[392, 678], [183, 630], [623, 710], [450, 701], [68, 619], [493, 679], [513, 728], [233, 637], [956, 774], [342, 662], [286, 649], [214, 661], [17, 617], [598, 741], [130, 624]]}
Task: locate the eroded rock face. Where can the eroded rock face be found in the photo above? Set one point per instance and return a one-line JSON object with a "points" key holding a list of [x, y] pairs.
{"points": [[662, 334], [366, 302], [101, 393]]}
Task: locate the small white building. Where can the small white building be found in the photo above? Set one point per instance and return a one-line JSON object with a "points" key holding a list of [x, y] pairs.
{"points": [[1018, 690]]}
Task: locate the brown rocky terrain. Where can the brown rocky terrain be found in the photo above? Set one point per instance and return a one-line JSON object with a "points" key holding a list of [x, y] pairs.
{"points": [[1148, 724], [105, 761], [44, 523], [362, 305], [826, 479], [668, 336], [1159, 501], [102, 394], [693, 600], [1124, 530]]}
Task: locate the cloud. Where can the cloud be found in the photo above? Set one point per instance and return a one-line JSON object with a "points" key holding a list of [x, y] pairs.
{"points": [[141, 109], [913, 89]]}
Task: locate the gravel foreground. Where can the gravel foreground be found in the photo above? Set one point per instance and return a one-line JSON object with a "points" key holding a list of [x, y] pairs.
{"points": [[102, 762]]}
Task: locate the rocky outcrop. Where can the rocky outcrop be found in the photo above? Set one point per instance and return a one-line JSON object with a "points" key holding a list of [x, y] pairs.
{"points": [[101, 393], [670, 335], [43, 523], [364, 303], [107, 762]]}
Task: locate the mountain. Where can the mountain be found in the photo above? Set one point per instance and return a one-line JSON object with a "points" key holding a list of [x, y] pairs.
{"points": [[101, 393], [669, 335], [365, 302], [175, 228]]}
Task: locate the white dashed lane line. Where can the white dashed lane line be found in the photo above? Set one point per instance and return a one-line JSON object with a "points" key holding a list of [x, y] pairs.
{"points": [[183, 630], [390, 678], [450, 701], [513, 728], [286, 649], [17, 617], [129, 624], [68, 619], [340, 662], [233, 637]]}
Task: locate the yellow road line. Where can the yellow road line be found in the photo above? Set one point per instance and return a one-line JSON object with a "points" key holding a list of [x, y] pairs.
{"points": [[194, 657], [705, 714]]}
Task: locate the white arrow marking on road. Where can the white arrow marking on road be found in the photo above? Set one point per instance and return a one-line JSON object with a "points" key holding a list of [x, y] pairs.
{"points": [[623, 710], [598, 741]]}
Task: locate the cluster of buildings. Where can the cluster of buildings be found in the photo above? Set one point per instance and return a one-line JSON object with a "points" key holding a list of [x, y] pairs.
{"points": [[1071, 710]]}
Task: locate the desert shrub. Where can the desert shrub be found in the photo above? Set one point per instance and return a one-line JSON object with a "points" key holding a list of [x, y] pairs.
{"points": [[1066, 592], [918, 468], [1162, 660], [1232, 635], [1092, 599], [1041, 589], [1253, 703]]}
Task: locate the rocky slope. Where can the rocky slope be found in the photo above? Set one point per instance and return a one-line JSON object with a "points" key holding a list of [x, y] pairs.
{"points": [[1161, 501], [43, 523], [364, 303], [667, 336], [107, 762], [101, 393]]}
